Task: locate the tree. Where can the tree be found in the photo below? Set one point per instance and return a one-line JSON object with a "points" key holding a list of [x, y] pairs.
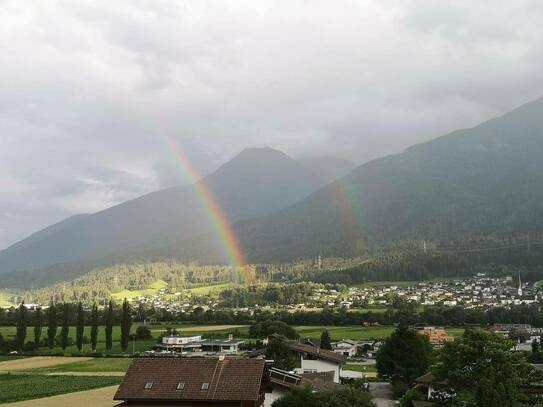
{"points": [[536, 356], [80, 326], [94, 327], [51, 325], [108, 322], [326, 340], [126, 324], [20, 335], [37, 328], [481, 370], [297, 397], [143, 333], [404, 356], [65, 327], [269, 327], [278, 351], [347, 396]]}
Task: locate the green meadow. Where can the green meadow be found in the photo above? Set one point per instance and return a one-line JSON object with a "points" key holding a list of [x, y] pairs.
{"points": [[148, 292]]}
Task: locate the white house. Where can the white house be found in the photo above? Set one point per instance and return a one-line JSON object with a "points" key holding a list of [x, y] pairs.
{"points": [[345, 347], [316, 360], [174, 340]]}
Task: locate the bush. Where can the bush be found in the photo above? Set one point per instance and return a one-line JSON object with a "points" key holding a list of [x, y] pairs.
{"points": [[143, 333], [411, 395]]}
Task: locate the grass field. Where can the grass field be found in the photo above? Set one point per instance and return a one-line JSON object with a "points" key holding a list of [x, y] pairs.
{"points": [[24, 387], [207, 289], [129, 295], [95, 365], [7, 358], [216, 331], [345, 332], [4, 299]]}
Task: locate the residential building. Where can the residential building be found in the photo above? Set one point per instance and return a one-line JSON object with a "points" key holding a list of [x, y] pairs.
{"points": [[345, 347], [316, 360], [194, 381]]}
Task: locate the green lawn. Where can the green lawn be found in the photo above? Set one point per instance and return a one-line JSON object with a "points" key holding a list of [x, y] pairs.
{"points": [[95, 365], [25, 387], [360, 368], [345, 332]]}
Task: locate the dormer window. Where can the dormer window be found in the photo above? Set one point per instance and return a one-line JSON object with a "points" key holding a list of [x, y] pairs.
{"points": [[205, 386], [180, 386], [148, 385]]}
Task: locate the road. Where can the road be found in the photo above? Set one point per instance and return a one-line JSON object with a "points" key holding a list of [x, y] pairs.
{"points": [[382, 394]]}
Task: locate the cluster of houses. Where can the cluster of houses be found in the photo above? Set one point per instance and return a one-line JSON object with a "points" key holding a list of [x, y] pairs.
{"points": [[475, 292]]}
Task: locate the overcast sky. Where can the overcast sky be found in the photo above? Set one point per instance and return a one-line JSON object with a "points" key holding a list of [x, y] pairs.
{"points": [[90, 91]]}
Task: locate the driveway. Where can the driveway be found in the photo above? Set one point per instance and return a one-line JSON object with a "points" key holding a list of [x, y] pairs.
{"points": [[382, 394]]}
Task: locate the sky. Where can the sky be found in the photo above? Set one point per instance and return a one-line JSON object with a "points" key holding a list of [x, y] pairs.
{"points": [[94, 93]]}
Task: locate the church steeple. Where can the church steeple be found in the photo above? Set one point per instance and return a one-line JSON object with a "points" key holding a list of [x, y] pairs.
{"points": [[519, 291]]}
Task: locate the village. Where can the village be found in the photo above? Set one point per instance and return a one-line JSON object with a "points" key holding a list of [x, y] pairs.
{"points": [[480, 291]]}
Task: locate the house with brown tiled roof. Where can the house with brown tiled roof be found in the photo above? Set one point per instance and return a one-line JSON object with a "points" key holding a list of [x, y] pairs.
{"points": [[194, 381]]}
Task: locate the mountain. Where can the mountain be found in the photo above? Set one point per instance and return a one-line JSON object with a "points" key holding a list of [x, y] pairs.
{"points": [[483, 181], [257, 182], [326, 168]]}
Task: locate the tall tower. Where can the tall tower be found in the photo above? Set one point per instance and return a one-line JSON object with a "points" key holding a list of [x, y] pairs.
{"points": [[519, 291]]}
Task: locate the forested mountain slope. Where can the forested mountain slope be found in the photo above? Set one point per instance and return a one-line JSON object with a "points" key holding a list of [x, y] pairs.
{"points": [[256, 182], [483, 181]]}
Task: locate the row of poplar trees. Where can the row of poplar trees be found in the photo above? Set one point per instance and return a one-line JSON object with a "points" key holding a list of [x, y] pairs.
{"points": [[62, 314]]}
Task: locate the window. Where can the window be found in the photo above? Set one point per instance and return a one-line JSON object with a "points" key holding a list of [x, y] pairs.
{"points": [[180, 386], [205, 386], [148, 385]]}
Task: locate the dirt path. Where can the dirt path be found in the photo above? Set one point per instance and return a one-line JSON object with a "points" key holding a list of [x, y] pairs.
{"points": [[39, 362], [96, 398]]}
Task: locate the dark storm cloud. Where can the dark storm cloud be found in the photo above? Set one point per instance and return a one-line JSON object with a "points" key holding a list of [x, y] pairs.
{"points": [[93, 93]]}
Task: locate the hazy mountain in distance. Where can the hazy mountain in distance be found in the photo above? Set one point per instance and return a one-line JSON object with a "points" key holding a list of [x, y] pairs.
{"points": [[255, 183], [327, 168], [483, 181]]}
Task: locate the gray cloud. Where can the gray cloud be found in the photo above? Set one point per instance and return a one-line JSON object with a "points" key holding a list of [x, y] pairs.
{"points": [[93, 93]]}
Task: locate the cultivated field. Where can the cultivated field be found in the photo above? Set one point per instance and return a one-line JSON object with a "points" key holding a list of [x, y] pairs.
{"points": [[102, 397], [17, 387], [38, 362]]}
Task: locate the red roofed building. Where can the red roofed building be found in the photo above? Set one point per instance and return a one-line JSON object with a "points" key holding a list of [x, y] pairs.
{"points": [[194, 381]]}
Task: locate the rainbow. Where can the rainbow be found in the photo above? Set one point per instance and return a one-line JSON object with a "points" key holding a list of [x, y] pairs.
{"points": [[215, 216]]}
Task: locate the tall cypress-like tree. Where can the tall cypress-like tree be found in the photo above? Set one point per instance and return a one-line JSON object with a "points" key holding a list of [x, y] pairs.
{"points": [[108, 321], [52, 325], [80, 326], [21, 327], [126, 324], [65, 329], [94, 327], [325, 340], [37, 328]]}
